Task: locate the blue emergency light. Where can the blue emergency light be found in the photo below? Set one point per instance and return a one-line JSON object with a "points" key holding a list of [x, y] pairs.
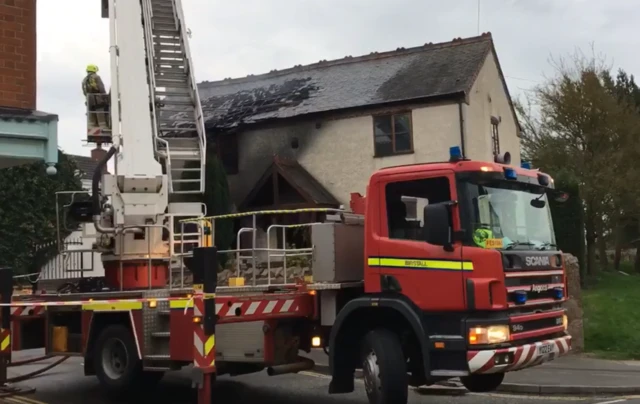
{"points": [[526, 165], [520, 296], [558, 293], [510, 174], [455, 154]]}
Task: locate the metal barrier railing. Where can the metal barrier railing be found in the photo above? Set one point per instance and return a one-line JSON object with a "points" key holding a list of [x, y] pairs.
{"points": [[254, 250], [70, 264], [286, 252]]}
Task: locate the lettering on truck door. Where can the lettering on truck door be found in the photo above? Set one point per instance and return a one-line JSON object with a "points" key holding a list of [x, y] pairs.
{"points": [[430, 276]]}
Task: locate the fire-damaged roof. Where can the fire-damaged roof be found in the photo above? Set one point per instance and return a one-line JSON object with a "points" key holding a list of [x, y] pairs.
{"points": [[432, 70]]}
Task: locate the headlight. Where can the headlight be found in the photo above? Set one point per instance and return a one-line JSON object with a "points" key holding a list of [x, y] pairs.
{"points": [[565, 322], [494, 334]]}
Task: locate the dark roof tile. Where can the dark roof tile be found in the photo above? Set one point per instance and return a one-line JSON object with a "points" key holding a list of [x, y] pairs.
{"points": [[379, 78]]}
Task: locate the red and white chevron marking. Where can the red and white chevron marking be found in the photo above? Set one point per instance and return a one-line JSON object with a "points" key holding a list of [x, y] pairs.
{"points": [[481, 362], [204, 353], [24, 311], [263, 307]]}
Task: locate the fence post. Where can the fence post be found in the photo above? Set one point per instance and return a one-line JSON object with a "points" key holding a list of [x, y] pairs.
{"points": [[6, 292]]}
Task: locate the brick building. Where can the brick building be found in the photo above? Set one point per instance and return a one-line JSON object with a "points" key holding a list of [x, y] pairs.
{"points": [[26, 134]]}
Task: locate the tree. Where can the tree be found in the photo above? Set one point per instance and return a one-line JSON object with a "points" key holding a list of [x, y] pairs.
{"points": [[218, 201], [626, 209], [582, 132], [28, 212]]}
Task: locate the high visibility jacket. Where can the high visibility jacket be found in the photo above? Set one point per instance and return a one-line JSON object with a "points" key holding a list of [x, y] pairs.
{"points": [[92, 84]]}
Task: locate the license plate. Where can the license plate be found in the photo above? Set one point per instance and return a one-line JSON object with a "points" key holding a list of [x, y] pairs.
{"points": [[545, 349]]}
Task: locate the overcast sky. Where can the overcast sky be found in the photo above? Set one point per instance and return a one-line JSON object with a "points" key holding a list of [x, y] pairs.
{"points": [[240, 37]]}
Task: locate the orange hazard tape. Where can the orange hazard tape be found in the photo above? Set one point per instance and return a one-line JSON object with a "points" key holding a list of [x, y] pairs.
{"points": [[104, 301]]}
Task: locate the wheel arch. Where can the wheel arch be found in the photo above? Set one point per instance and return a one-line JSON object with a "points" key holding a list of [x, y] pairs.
{"points": [[359, 316], [99, 321]]}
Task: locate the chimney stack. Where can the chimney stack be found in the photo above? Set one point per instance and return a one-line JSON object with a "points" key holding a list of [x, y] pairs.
{"points": [[18, 54]]}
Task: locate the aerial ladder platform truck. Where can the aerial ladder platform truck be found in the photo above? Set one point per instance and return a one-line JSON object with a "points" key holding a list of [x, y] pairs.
{"points": [[470, 284]]}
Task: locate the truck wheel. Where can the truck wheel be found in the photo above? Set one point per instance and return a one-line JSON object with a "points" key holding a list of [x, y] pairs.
{"points": [[482, 383], [116, 360], [384, 368]]}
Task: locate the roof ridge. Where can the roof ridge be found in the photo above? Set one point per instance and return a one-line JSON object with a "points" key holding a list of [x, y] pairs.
{"points": [[350, 59]]}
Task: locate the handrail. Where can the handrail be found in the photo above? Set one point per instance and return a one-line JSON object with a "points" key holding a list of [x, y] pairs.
{"points": [[264, 212], [147, 9], [303, 251], [179, 14], [114, 115]]}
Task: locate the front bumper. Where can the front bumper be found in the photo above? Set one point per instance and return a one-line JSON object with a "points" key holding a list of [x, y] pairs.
{"points": [[517, 358]]}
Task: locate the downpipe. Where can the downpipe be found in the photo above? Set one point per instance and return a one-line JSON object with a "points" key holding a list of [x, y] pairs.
{"points": [[302, 365]]}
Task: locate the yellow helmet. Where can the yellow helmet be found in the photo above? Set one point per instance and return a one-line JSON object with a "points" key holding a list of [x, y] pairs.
{"points": [[92, 69]]}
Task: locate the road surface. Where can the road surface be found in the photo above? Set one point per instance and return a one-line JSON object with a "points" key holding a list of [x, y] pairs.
{"points": [[66, 384]]}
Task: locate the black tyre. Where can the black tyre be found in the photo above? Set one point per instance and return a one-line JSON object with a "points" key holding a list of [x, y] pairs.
{"points": [[384, 368], [482, 383], [116, 361]]}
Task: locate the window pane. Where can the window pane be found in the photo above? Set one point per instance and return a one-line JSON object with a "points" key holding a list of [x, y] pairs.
{"points": [[382, 135], [383, 146], [403, 142], [402, 123], [406, 202], [403, 132], [382, 125]]}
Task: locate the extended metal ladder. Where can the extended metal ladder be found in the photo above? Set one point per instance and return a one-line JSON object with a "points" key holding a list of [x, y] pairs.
{"points": [[180, 140]]}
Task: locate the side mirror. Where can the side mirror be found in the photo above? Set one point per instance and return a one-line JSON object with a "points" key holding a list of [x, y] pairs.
{"points": [[437, 225], [538, 203]]}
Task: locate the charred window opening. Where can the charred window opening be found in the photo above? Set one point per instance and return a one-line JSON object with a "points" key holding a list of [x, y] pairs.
{"points": [[392, 134]]}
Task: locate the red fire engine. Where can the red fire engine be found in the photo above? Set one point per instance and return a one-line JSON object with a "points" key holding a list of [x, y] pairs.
{"points": [[471, 286], [444, 270]]}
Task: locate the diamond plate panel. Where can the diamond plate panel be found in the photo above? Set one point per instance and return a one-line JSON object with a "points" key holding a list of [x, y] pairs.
{"points": [[154, 322]]}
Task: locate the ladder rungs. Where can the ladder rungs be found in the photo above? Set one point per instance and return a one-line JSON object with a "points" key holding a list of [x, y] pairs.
{"points": [[175, 102], [172, 84]]}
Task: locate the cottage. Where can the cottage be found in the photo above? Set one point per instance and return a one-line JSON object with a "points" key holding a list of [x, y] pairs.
{"points": [[308, 136]]}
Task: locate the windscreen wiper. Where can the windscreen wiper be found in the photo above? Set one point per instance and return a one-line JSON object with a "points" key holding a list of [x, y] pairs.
{"points": [[516, 243], [547, 246]]}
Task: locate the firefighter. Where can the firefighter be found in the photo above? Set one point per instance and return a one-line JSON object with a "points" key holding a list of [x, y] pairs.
{"points": [[97, 100]]}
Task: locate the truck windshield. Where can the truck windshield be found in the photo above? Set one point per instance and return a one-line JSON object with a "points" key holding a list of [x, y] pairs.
{"points": [[503, 216]]}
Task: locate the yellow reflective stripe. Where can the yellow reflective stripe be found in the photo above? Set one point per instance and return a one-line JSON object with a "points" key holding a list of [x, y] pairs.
{"points": [[5, 343], [112, 306], [181, 304], [421, 264], [208, 346]]}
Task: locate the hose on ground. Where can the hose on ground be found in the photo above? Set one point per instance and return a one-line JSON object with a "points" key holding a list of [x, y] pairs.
{"points": [[30, 360], [37, 372]]}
